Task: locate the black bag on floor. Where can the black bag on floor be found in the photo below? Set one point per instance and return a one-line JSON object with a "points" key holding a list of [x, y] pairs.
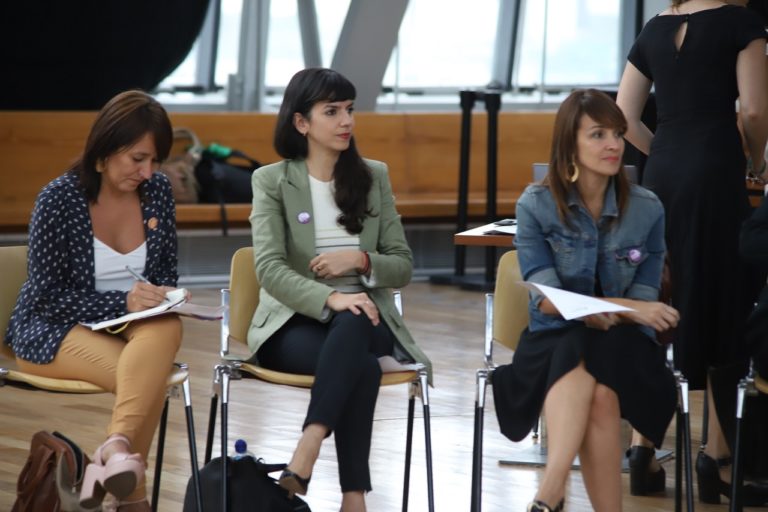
{"points": [[224, 175], [222, 181], [249, 488]]}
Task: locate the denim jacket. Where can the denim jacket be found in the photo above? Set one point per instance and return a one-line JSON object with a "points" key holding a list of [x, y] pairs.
{"points": [[626, 252]]}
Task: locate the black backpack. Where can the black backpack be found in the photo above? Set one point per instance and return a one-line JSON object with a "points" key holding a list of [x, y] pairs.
{"points": [[249, 487], [221, 180], [224, 175]]}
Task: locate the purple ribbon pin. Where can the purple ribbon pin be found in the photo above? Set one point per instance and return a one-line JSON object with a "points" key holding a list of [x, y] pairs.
{"points": [[634, 255], [303, 217]]}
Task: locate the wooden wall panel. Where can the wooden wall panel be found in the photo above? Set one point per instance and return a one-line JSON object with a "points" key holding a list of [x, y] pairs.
{"points": [[421, 149]]}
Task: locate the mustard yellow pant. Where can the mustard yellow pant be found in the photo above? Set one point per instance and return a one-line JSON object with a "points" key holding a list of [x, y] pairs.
{"points": [[133, 364]]}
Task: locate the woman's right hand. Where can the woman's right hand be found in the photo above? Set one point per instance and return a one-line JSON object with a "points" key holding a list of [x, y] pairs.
{"points": [[601, 321], [144, 296], [356, 303]]}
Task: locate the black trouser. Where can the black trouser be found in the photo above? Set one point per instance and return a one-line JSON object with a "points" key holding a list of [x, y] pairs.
{"points": [[342, 354]]}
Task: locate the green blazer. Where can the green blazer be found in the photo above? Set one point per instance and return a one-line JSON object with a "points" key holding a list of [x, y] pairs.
{"points": [[283, 247]]}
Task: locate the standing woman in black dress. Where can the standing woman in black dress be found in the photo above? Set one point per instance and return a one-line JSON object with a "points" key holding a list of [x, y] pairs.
{"points": [[701, 55]]}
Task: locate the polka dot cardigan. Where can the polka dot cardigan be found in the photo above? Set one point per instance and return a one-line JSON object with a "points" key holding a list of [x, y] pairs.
{"points": [[60, 288]]}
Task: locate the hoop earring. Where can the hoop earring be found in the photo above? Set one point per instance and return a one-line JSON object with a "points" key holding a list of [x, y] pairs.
{"points": [[575, 175]]}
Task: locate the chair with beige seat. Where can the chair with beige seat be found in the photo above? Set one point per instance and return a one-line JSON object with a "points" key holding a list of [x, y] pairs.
{"points": [[241, 299], [13, 261], [511, 300]]}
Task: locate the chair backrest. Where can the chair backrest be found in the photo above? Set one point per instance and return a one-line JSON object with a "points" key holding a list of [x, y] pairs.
{"points": [[510, 302], [243, 294], [13, 261]]}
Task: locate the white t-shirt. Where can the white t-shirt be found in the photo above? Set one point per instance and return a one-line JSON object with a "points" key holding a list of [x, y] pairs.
{"points": [[110, 272], [330, 236]]}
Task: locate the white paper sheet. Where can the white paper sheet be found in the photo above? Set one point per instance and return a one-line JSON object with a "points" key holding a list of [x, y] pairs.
{"points": [[500, 230], [574, 305]]}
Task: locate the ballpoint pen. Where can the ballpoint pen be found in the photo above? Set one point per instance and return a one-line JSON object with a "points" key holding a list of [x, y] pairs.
{"points": [[141, 278], [136, 275]]}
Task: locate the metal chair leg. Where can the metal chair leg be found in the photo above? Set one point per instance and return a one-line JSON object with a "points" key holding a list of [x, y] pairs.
{"points": [[192, 444], [159, 458], [212, 414], [225, 374], [679, 458], [737, 474], [424, 388], [408, 448], [705, 421], [683, 383], [683, 447], [481, 381]]}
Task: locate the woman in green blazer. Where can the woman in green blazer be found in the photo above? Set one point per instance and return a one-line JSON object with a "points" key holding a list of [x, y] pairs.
{"points": [[328, 246]]}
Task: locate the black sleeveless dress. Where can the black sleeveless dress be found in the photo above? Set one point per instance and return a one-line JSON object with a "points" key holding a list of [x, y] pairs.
{"points": [[696, 166]]}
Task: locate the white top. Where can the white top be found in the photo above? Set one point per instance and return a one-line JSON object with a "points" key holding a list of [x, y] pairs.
{"points": [[110, 266], [330, 236]]}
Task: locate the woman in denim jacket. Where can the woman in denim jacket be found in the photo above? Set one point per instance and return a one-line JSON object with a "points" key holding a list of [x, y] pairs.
{"points": [[585, 229]]}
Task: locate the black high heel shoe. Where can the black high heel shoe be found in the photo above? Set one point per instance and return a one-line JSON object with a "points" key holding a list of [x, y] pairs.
{"points": [[293, 483], [711, 486], [540, 506], [642, 482]]}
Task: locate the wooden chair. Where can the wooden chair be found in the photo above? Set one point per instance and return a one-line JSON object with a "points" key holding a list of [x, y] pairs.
{"points": [[505, 329], [241, 299], [751, 385], [13, 261]]}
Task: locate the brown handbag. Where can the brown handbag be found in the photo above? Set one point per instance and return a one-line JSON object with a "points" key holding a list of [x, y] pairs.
{"points": [[50, 480], [180, 168]]}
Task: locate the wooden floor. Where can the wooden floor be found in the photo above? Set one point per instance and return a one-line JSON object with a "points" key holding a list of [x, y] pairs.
{"points": [[447, 323]]}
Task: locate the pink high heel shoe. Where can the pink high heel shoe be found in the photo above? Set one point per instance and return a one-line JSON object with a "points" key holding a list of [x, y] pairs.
{"points": [[118, 476]]}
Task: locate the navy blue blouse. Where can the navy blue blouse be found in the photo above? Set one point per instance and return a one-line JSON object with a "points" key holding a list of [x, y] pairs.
{"points": [[60, 288]]}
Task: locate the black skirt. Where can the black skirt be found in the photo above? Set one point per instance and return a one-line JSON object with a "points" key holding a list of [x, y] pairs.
{"points": [[622, 358]]}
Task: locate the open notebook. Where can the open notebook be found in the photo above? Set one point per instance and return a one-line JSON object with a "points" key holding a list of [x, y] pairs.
{"points": [[175, 302]]}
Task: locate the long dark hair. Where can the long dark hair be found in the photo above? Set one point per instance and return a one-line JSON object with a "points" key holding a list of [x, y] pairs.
{"points": [[600, 107], [352, 177], [121, 123]]}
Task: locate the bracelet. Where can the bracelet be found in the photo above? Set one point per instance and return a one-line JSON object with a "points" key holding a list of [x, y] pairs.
{"points": [[756, 176], [367, 266]]}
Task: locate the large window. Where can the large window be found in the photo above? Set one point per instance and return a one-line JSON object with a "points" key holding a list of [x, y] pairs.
{"points": [[227, 48], [568, 42], [284, 50], [442, 46]]}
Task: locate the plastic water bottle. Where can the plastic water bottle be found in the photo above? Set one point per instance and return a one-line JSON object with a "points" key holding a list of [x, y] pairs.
{"points": [[241, 450]]}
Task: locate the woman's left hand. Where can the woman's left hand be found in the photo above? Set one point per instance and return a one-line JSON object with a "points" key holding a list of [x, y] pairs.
{"points": [[187, 295], [335, 264], [656, 315]]}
